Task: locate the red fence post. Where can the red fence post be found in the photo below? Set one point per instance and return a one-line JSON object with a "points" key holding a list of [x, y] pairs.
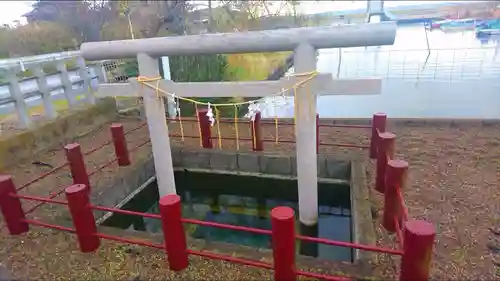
{"points": [[385, 152], [257, 143], [173, 232], [395, 178], [120, 144], [419, 238], [83, 217], [77, 165], [11, 207], [379, 121], [283, 239], [205, 130], [317, 133]]}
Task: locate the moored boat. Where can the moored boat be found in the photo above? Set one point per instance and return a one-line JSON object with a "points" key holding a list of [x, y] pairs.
{"points": [[461, 24], [490, 27]]}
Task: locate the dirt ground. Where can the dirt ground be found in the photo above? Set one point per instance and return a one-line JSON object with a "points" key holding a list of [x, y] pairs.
{"points": [[453, 179]]}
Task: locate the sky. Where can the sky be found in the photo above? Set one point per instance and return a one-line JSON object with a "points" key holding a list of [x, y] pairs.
{"points": [[11, 11]]}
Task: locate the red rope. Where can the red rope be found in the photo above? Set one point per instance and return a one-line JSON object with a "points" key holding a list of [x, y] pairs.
{"points": [[345, 126], [102, 167], [44, 175], [403, 205], [322, 276], [230, 259], [228, 226], [97, 148], [143, 143], [40, 199], [125, 212], [129, 241], [48, 225], [135, 129], [399, 233], [345, 145], [350, 245], [204, 254]]}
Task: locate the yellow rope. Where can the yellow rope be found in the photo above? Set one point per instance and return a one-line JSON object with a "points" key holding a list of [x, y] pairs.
{"points": [[145, 80], [254, 139], [236, 127], [310, 75], [217, 120], [199, 124], [180, 119], [295, 106], [276, 137]]}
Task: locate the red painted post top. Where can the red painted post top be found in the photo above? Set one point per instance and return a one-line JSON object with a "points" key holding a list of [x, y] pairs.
{"points": [[257, 143], [385, 153], [76, 163], [83, 217], [283, 239], [11, 207], [205, 128], [379, 124], [418, 239], [395, 178], [120, 144], [173, 232]]}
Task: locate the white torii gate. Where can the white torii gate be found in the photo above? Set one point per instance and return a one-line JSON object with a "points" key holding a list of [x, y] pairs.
{"points": [[303, 41]]}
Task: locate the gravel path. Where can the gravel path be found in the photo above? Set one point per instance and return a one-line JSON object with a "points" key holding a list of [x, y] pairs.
{"points": [[454, 174]]}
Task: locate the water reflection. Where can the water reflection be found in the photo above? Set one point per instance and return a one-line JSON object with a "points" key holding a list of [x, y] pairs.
{"points": [[457, 78]]}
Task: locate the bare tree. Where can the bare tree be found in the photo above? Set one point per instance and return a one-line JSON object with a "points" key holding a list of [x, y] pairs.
{"points": [[85, 18]]}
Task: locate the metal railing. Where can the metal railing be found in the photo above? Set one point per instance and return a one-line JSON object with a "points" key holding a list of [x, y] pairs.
{"points": [[450, 65], [50, 77]]}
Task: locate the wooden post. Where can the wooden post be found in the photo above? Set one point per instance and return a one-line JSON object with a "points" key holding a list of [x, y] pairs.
{"points": [[395, 177], [283, 239], [11, 207], [173, 232], [205, 130], [385, 153], [83, 217], [257, 143], [77, 165], [419, 238], [120, 144], [379, 122]]}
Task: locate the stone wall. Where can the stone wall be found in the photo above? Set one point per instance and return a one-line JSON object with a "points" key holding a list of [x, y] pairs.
{"points": [[255, 162], [53, 133], [129, 178]]}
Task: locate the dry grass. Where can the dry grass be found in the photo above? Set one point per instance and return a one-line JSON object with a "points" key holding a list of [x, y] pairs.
{"points": [[249, 67], [454, 174]]}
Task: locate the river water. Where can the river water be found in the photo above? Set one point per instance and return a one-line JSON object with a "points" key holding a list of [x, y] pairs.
{"points": [[458, 78]]}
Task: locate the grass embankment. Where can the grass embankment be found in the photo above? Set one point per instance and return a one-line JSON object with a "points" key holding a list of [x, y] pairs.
{"points": [[257, 66]]}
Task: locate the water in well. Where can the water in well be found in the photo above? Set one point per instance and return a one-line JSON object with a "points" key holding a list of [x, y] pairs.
{"points": [[245, 201]]}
